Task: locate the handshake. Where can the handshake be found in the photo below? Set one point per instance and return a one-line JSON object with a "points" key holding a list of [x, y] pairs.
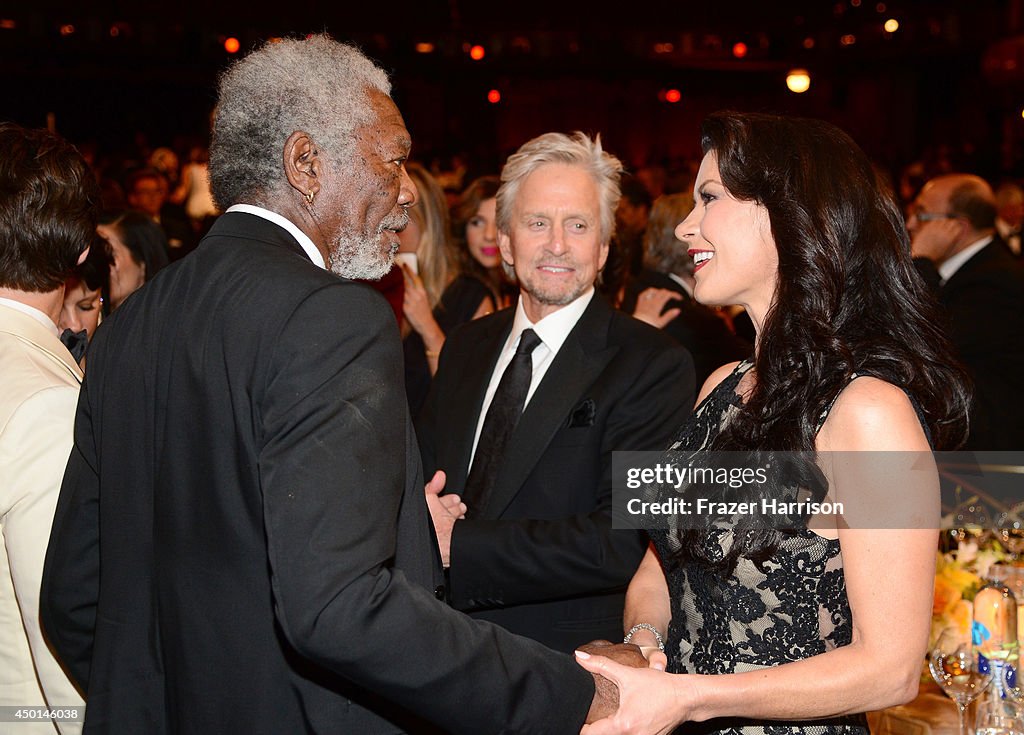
{"points": [[606, 694]]}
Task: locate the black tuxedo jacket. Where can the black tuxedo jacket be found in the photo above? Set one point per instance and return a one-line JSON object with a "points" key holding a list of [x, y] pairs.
{"points": [[984, 308], [697, 327], [241, 543], [541, 558]]}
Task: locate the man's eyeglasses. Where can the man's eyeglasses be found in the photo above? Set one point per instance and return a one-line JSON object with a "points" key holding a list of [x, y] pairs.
{"points": [[931, 216]]}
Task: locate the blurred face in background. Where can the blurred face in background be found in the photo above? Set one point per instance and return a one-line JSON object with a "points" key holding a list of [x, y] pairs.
{"points": [[148, 195], [482, 234], [126, 274], [81, 308]]}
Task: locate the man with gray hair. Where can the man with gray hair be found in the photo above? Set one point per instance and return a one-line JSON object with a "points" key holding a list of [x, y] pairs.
{"points": [[241, 543], [536, 551]]}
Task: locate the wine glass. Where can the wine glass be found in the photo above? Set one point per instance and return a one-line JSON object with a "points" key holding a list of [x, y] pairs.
{"points": [[954, 667], [999, 717]]}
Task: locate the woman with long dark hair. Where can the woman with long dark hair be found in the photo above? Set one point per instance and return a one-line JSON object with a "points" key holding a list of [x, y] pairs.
{"points": [[799, 629], [138, 248]]}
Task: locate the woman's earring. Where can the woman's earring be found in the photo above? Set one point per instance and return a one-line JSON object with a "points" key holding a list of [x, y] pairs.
{"points": [[309, 197]]}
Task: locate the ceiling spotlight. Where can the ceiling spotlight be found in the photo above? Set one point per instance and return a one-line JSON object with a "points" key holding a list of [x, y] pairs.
{"points": [[739, 50], [798, 81], [477, 52], [892, 25]]}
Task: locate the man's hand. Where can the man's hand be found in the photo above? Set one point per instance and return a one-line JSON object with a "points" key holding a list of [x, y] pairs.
{"points": [[606, 694], [936, 239], [649, 304], [444, 511]]}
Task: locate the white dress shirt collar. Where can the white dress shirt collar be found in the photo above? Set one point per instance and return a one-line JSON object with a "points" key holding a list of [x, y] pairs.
{"points": [[554, 328], [287, 224], [32, 312], [686, 286], [952, 264]]}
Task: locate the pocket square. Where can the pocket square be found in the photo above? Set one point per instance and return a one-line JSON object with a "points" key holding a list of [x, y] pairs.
{"points": [[583, 414]]}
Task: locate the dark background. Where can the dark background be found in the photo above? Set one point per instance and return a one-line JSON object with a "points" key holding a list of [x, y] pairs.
{"points": [[948, 85]]}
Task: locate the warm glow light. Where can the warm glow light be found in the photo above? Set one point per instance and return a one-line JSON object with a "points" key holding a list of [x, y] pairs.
{"points": [[848, 40], [1022, 113], [739, 50], [8, 24], [67, 29], [664, 48], [892, 25], [115, 31], [798, 81], [809, 42], [424, 47], [494, 96], [231, 45], [672, 96], [880, 8], [477, 52]]}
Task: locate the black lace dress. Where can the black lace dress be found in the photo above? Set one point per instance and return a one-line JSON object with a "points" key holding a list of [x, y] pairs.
{"points": [[794, 606]]}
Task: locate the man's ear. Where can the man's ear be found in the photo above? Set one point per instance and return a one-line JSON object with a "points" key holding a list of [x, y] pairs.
{"points": [[302, 164], [505, 246]]}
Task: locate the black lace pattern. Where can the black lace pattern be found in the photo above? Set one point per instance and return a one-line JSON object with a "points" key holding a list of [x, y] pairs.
{"points": [[788, 608]]}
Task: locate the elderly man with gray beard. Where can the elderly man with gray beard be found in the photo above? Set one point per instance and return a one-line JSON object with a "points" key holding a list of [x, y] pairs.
{"points": [[242, 542]]}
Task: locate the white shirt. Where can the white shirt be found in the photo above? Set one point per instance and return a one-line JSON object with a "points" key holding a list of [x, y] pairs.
{"points": [[553, 330], [686, 286], [287, 224], [32, 312], [954, 262]]}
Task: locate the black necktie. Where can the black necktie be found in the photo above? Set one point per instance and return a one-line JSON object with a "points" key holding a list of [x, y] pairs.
{"points": [[502, 416], [76, 342]]}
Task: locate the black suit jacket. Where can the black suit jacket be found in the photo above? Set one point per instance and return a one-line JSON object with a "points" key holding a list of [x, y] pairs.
{"points": [[241, 543], [541, 558], [697, 327], [983, 304]]}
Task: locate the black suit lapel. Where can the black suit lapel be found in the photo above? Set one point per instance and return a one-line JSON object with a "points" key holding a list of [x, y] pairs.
{"points": [[460, 431], [579, 362]]}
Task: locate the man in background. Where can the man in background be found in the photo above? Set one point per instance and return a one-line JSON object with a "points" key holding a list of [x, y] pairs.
{"points": [[980, 287], [48, 200]]}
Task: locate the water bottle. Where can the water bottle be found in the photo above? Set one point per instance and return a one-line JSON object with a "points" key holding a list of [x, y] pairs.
{"points": [[994, 634]]}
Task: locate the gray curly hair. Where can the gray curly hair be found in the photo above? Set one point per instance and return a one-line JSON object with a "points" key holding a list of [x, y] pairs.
{"points": [[577, 150], [314, 84]]}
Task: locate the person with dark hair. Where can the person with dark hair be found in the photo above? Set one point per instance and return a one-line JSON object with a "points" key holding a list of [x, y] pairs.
{"points": [[83, 299], [481, 286], [138, 249], [48, 199], [147, 192], [766, 628], [980, 287], [242, 542]]}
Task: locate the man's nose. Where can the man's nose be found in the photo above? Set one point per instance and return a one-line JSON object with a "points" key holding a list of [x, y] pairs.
{"points": [[407, 193]]}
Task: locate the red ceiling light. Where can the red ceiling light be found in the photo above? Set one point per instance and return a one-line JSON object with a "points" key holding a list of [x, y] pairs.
{"points": [[477, 52], [672, 96], [739, 50], [67, 29], [494, 96], [231, 45]]}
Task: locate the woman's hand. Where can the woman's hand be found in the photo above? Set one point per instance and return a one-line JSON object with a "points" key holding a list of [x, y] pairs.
{"points": [[649, 304], [416, 302], [416, 307], [650, 702]]}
